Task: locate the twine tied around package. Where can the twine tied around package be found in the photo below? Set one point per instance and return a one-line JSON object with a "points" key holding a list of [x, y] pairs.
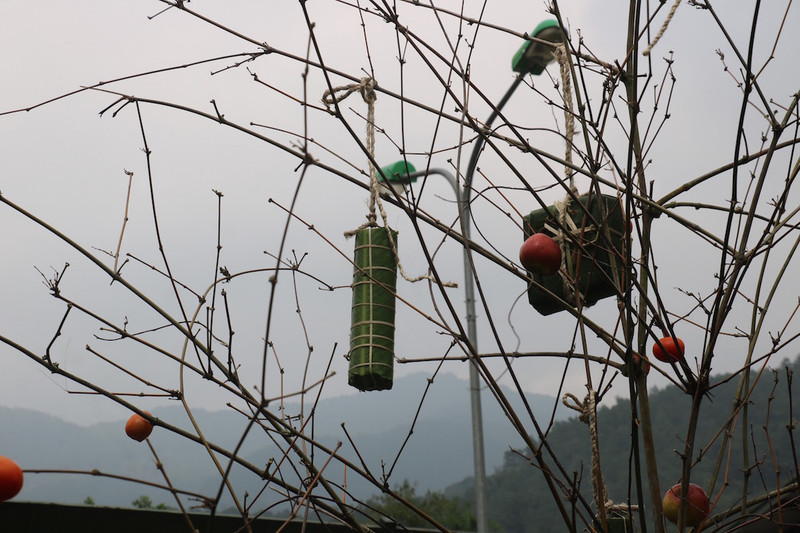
{"points": [[588, 415], [366, 87], [565, 225]]}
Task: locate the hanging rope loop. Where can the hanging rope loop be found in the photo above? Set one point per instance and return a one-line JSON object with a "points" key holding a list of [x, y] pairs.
{"points": [[331, 97], [366, 87]]}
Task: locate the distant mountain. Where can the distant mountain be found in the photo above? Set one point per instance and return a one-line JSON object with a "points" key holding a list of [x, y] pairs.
{"points": [[438, 453]]}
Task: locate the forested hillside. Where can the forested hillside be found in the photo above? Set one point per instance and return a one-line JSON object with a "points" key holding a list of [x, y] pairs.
{"points": [[519, 500]]}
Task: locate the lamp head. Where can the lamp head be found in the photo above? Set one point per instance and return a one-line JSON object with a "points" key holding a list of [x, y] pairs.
{"points": [[398, 172], [396, 176], [533, 57]]}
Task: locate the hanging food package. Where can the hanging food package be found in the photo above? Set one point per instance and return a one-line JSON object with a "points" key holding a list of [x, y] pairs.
{"points": [[373, 311], [591, 232]]}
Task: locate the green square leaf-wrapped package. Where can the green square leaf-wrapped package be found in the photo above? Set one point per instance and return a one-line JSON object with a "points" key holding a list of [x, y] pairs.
{"points": [[593, 270], [373, 312]]}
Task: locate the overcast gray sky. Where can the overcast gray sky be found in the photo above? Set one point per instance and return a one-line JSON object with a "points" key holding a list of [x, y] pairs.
{"points": [[67, 165]]}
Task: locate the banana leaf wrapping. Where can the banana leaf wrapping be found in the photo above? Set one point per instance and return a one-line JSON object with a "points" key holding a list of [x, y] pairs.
{"points": [[620, 522], [594, 272], [373, 311]]}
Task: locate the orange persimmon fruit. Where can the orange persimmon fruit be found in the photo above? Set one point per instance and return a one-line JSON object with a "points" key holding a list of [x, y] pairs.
{"points": [[671, 352], [138, 428], [10, 479]]}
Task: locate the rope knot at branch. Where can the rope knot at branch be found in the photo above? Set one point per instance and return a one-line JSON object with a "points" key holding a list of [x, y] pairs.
{"points": [[366, 87], [585, 408]]}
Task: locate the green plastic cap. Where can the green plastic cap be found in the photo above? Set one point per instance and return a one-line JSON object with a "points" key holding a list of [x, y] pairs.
{"points": [[533, 57]]}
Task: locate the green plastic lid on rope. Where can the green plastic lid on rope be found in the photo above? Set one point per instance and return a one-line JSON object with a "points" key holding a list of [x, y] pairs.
{"points": [[373, 312], [533, 57]]}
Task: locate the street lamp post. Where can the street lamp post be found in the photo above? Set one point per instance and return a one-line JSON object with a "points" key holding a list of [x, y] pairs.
{"points": [[476, 410], [531, 58]]}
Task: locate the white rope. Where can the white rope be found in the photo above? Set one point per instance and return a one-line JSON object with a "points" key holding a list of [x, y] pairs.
{"points": [[588, 415], [566, 224], [569, 133], [367, 89], [663, 28], [569, 115]]}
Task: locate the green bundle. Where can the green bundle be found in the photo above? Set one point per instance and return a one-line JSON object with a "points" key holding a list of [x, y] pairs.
{"points": [[619, 521], [594, 270], [372, 318]]}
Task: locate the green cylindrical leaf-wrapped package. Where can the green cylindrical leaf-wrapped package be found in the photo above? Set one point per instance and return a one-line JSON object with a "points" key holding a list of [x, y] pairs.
{"points": [[372, 318]]}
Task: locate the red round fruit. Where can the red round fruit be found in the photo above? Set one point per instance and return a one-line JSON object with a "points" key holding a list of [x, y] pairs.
{"points": [[643, 362], [540, 254], [138, 428], [697, 505], [671, 352], [10, 479]]}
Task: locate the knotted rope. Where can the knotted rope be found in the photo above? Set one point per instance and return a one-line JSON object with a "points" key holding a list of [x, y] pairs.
{"points": [[332, 97], [588, 415], [663, 28], [366, 87]]}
